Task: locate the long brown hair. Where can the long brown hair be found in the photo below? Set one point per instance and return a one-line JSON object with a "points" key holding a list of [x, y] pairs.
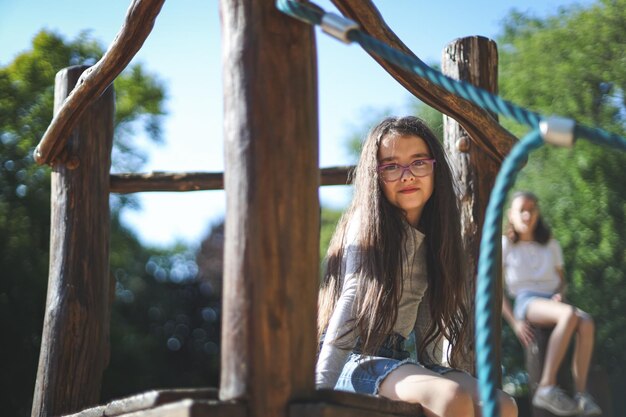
{"points": [[542, 232], [382, 233]]}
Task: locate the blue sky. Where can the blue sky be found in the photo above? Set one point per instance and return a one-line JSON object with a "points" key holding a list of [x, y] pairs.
{"points": [[183, 50]]}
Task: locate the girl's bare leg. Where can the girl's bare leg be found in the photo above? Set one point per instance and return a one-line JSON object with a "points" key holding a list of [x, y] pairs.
{"points": [[452, 394], [583, 350], [543, 312], [508, 407]]}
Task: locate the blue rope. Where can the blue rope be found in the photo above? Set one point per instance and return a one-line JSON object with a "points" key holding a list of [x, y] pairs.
{"points": [[601, 137], [312, 14], [467, 91], [308, 13], [489, 245]]}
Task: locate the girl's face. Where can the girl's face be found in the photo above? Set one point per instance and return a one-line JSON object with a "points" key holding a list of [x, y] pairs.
{"points": [[409, 193], [523, 216]]}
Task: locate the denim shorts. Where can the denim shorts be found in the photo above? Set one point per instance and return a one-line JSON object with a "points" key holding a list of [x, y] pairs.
{"points": [[523, 299], [364, 374]]}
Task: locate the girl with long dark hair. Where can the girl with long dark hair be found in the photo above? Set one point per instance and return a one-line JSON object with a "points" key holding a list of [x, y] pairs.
{"points": [[393, 268]]}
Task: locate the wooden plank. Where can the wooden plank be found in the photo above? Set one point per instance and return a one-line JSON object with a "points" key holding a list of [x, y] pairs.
{"points": [[334, 410], [187, 402], [193, 408], [139, 21], [196, 181], [381, 405], [272, 218], [151, 399], [484, 130], [90, 412], [323, 403], [74, 346], [475, 60], [147, 400]]}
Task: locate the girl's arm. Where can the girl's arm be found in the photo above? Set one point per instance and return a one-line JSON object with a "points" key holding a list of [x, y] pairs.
{"points": [[560, 291], [332, 358], [521, 328], [557, 254]]}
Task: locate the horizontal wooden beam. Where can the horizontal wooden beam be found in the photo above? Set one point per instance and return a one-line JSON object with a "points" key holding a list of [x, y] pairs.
{"points": [[200, 181]]}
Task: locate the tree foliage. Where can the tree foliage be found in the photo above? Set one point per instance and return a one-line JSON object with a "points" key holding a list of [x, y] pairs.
{"points": [[165, 324], [574, 64]]}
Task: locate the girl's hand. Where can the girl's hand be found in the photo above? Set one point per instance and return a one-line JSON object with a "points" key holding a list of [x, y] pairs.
{"points": [[558, 297], [524, 332]]}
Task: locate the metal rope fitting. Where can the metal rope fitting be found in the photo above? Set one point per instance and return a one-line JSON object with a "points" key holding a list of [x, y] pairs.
{"points": [[338, 26], [558, 131]]}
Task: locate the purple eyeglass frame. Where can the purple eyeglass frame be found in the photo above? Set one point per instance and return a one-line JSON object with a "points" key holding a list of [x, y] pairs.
{"points": [[406, 168]]}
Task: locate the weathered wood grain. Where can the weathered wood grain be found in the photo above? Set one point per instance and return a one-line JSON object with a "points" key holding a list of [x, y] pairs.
{"points": [[147, 401], [166, 181], [321, 409], [475, 60], [139, 21], [201, 402], [74, 347], [155, 398], [196, 181], [192, 408], [337, 403], [484, 130], [272, 218]]}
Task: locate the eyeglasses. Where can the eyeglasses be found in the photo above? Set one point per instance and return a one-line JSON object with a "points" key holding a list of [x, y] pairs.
{"points": [[418, 168]]}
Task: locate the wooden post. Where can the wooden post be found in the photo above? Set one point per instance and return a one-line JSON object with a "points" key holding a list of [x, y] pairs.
{"points": [[475, 60], [74, 346], [271, 180]]}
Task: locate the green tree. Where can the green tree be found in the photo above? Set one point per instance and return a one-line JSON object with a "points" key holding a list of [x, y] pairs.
{"points": [[371, 117], [573, 64], [156, 289], [165, 326], [328, 223]]}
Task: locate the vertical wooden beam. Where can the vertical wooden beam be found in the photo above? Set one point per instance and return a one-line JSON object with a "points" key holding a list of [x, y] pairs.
{"points": [[474, 60], [74, 346], [271, 180]]}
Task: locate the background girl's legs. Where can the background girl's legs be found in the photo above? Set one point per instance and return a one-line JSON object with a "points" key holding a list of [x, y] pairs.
{"points": [[583, 350], [563, 317], [453, 394], [566, 320]]}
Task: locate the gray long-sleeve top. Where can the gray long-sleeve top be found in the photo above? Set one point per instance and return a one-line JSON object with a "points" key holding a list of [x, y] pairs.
{"points": [[331, 358]]}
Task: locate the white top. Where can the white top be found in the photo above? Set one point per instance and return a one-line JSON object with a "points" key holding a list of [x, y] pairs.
{"points": [[331, 359], [531, 266]]}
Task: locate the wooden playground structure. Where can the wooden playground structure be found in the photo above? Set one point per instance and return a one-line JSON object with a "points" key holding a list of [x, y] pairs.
{"points": [[271, 260]]}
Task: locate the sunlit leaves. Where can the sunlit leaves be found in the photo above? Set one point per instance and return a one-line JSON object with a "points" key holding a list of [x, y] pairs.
{"points": [[572, 64]]}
